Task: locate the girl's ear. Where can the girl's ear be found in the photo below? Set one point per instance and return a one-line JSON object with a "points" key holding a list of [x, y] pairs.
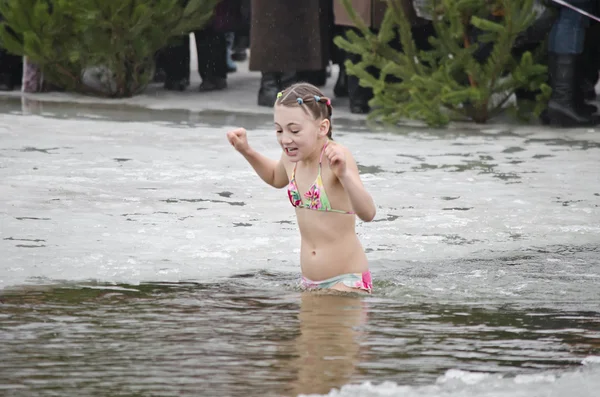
{"points": [[324, 127]]}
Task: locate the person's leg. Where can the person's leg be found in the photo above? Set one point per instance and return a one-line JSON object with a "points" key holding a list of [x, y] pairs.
{"points": [[273, 82], [340, 89], [269, 87], [240, 47], [241, 41], [159, 67], [229, 39], [318, 77], [11, 70], [212, 59], [338, 56], [177, 66], [590, 62], [359, 96], [529, 41], [565, 45]]}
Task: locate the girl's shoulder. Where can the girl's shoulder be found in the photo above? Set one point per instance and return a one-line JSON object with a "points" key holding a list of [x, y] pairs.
{"points": [[333, 143], [341, 146]]}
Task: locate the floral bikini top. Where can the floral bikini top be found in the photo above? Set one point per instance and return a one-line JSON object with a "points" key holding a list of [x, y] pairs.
{"points": [[315, 198]]}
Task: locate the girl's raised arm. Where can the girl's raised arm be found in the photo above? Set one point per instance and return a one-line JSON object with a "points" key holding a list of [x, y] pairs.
{"points": [[345, 168], [269, 170]]}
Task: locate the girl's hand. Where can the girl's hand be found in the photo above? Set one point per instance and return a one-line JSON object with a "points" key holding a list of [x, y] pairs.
{"points": [[239, 140], [337, 159]]}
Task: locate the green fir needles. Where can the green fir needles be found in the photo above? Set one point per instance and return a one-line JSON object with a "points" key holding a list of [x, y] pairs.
{"points": [[470, 71], [116, 38]]}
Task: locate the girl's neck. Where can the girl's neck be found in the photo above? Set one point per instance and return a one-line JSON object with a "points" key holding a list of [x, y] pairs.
{"points": [[315, 156]]}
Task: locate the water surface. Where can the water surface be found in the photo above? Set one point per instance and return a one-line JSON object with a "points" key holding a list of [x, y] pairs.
{"points": [[142, 256]]}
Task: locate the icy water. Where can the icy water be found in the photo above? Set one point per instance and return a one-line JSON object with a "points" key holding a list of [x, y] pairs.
{"points": [[142, 257]]}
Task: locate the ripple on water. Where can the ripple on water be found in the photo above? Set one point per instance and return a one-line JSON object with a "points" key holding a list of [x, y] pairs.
{"points": [[256, 331]]}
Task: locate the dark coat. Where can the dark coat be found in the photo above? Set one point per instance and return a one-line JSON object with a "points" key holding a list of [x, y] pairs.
{"points": [[228, 17], [289, 36]]}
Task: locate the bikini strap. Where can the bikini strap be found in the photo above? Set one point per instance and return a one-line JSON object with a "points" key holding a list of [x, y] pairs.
{"points": [[322, 151], [294, 172]]}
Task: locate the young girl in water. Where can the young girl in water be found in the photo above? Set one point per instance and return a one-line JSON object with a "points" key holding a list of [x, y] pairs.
{"points": [[323, 185]]}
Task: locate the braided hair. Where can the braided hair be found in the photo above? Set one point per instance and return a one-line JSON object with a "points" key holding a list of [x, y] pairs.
{"points": [[310, 98]]}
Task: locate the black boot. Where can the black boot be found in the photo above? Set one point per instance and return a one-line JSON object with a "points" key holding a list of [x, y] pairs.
{"points": [[581, 90], [241, 42], [340, 89], [287, 79], [212, 84], [269, 87], [562, 109], [176, 84]]}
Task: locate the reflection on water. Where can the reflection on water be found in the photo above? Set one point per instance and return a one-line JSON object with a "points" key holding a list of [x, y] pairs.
{"points": [[233, 339], [332, 327]]}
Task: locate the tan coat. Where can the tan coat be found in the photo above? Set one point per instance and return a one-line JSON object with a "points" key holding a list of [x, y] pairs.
{"points": [[371, 12]]}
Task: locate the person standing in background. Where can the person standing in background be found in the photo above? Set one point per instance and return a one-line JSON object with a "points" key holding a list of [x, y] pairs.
{"points": [[565, 48], [11, 69], [211, 46], [285, 39]]}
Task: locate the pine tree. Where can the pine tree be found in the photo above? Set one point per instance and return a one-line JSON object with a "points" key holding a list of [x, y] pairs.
{"points": [[67, 37], [446, 82]]}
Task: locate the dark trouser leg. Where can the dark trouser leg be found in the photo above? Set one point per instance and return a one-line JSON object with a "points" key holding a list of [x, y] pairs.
{"points": [[11, 70], [159, 67], [241, 40], [338, 56], [177, 64], [359, 96], [212, 59], [591, 61], [229, 39], [529, 41], [566, 43], [340, 89]]}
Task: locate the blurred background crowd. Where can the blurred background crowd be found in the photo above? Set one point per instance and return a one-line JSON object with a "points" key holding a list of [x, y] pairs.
{"points": [[293, 41]]}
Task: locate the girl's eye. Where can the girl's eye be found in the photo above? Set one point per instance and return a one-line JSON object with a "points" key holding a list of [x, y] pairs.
{"points": [[279, 131], [294, 132]]}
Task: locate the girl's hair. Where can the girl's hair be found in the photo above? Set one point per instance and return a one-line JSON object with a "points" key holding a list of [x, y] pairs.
{"points": [[307, 96]]}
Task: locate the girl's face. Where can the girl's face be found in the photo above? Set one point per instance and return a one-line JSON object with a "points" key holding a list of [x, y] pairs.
{"points": [[298, 133]]}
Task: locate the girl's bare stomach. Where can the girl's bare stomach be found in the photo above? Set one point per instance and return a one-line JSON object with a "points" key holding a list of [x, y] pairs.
{"points": [[320, 261]]}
